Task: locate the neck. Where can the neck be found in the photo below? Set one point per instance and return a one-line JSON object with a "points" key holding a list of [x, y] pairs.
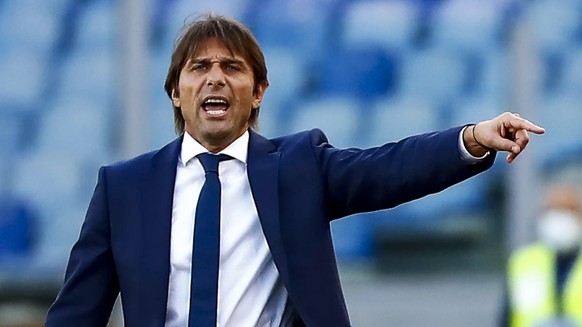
{"points": [[215, 145]]}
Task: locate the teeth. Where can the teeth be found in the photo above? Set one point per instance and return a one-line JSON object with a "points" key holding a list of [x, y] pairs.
{"points": [[216, 112], [214, 101]]}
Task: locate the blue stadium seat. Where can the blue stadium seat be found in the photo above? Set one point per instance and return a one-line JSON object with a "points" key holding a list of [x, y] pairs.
{"points": [[495, 77], [159, 63], [434, 212], [97, 26], [48, 181], [270, 122], [279, 23], [337, 117], [161, 121], [57, 232], [394, 119], [161, 115], [29, 25], [436, 74], [352, 237], [572, 71], [468, 25], [474, 110], [5, 184], [181, 10], [13, 134], [287, 78], [54, 7], [90, 75], [79, 128], [286, 74], [388, 24], [467, 197], [560, 115], [17, 229], [555, 24], [358, 72], [23, 78]]}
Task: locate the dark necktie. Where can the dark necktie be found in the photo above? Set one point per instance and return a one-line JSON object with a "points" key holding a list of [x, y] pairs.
{"points": [[206, 247]]}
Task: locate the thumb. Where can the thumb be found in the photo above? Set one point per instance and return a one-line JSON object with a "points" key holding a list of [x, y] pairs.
{"points": [[502, 144]]}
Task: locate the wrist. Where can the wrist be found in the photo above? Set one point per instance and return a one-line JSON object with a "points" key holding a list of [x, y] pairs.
{"points": [[472, 143]]}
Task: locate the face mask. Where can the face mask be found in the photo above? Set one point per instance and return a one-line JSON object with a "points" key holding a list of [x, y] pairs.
{"points": [[561, 230]]}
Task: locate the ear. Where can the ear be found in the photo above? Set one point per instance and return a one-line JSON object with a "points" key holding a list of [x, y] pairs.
{"points": [[175, 98], [262, 87]]}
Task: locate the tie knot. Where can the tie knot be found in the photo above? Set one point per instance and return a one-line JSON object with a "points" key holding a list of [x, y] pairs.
{"points": [[210, 161]]}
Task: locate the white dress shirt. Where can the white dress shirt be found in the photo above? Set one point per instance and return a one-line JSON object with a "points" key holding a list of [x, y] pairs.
{"points": [[250, 291]]}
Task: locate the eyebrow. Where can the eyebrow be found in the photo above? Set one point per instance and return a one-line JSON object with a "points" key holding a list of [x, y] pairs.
{"points": [[223, 60]]}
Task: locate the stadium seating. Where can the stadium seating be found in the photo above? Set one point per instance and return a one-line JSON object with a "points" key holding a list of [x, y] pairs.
{"points": [[22, 79], [285, 73], [394, 119], [77, 127], [161, 121], [437, 75], [555, 25], [391, 25], [359, 72], [494, 79], [572, 70], [97, 26], [302, 26], [337, 117], [89, 74], [468, 26], [12, 133], [560, 115], [48, 181], [17, 229], [17, 29], [181, 11], [365, 72]]}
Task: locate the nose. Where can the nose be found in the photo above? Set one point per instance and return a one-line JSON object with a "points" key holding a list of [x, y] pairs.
{"points": [[215, 76]]}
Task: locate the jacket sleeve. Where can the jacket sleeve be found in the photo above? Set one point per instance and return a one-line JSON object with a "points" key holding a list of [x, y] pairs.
{"points": [[91, 284], [383, 177]]}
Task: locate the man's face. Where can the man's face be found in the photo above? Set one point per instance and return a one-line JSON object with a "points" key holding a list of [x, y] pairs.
{"points": [[215, 94]]}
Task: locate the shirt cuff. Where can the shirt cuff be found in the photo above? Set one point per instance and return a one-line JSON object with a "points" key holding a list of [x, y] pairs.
{"points": [[465, 155]]}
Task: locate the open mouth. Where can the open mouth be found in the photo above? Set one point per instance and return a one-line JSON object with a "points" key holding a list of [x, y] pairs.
{"points": [[215, 105]]}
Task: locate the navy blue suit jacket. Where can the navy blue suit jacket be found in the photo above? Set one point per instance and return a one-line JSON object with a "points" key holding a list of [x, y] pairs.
{"points": [[299, 183]]}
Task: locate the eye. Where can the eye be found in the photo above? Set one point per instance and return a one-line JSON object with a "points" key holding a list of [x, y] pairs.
{"points": [[198, 67], [233, 67]]}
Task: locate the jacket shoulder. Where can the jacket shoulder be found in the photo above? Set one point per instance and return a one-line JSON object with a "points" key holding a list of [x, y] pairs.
{"points": [[167, 154], [314, 137]]}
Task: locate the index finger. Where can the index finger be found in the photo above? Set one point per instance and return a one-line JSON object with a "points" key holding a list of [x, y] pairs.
{"points": [[520, 123]]}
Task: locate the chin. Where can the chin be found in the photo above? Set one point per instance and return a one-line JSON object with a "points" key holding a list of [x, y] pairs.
{"points": [[218, 134]]}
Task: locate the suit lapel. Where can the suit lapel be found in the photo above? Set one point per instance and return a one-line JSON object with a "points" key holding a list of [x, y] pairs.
{"points": [[158, 195], [263, 171]]}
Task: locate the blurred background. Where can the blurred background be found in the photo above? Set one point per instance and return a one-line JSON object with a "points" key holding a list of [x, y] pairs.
{"points": [[81, 85]]}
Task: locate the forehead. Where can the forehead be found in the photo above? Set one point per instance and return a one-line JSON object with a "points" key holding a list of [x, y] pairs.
{"points": [[214, 48]]}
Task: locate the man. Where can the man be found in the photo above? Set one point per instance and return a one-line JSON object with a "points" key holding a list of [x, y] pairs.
{"points": [[260, 252], [545, 278]]}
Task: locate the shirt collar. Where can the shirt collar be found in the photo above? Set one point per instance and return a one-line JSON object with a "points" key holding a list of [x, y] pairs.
{"points": [[237, 149]]}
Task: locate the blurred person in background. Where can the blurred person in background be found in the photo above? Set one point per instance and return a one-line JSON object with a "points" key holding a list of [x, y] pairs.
{"points": [[545, 278], [223, 227]]}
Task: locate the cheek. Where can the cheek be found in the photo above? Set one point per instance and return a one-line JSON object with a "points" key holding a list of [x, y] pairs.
{"points": [[187, 96]]}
